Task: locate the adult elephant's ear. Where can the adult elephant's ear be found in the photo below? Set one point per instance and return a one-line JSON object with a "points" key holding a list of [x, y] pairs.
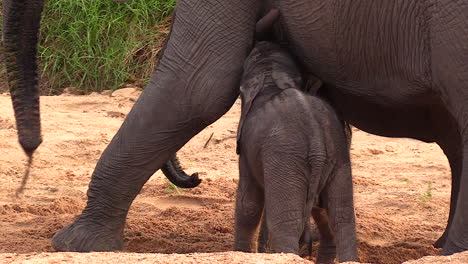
{"points": [[249, 91]]}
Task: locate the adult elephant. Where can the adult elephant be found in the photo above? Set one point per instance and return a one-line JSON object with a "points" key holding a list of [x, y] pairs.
{"points": [[393, 68]]}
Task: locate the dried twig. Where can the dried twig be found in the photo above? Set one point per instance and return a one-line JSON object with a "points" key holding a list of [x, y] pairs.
{"points": [[208, 141], [226, 138]]}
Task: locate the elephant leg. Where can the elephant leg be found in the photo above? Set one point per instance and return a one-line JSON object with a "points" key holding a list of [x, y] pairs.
{"points": [[449, 72], [457, 239], [306, 237], [454, 143], [327, 247], [455, 166], [455, 146], [451, 143], [249, 208], [263, 236], [286, 192], [196, 82], [338, 201]]}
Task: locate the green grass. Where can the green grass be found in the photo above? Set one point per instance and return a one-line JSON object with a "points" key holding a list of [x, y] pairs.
{"points": [[97, 45], [172, 188], [428, 194]]}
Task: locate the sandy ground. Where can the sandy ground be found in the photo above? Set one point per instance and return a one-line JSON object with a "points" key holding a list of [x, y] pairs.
{"points": [[402, 190]]}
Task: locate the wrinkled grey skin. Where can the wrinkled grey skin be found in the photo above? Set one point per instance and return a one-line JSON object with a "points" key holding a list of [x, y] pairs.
{"points": [[175, 174], [392, 68], [293, 154], [21, 22], [322, 233]]}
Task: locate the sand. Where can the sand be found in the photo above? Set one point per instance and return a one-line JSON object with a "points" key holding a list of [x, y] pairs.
{"points": [[402, 191]]}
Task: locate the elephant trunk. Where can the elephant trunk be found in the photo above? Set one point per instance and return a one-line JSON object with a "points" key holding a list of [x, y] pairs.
{"points": [[21, 24], [175, 174]]}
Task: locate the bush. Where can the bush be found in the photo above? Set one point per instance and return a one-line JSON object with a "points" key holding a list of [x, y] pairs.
{"points": [[96, 45]]}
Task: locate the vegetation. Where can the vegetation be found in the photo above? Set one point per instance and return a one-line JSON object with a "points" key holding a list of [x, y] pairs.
{"points": [[428, 194], [172, 188], [97, 45]]}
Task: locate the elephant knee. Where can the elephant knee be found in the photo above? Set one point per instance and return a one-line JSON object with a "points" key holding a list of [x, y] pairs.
{"points": [[251, 209], [248, 210]]}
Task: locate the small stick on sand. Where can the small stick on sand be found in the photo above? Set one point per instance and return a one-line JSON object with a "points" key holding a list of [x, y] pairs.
{"points": [[25, 177], [208, 141]]}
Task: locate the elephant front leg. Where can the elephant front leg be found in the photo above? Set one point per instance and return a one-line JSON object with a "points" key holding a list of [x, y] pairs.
{"points": [[196, 82]]}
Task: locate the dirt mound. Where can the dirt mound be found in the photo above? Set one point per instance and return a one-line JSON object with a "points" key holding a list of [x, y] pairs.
{"points": [[204, 258], [194, 258], [402, 190], [460, 258]]}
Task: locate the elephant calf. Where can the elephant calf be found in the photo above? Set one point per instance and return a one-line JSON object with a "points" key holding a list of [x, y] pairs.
{"points": [[293, 155]]}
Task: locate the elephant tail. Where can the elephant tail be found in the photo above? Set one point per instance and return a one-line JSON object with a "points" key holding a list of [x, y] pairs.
{"points": [[175, 174]]}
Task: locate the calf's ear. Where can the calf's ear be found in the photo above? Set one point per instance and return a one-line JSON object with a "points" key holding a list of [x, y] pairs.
{"points": [[286, 80], [249, 90]]}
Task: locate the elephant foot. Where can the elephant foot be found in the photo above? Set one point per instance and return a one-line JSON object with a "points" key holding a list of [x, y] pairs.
{"points": [[452, 248], [82, 236], [326, 253], [441, 241]]}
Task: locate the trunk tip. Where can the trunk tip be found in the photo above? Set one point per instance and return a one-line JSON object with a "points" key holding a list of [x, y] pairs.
{"points": [[30, 145]]}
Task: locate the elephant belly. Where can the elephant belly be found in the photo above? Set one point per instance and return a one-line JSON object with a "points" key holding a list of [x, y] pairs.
{"points": [[378, 50], [374, 56]]}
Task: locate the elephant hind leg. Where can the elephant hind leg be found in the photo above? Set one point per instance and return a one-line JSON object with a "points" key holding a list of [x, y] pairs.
{"points": [[327, 247], [263, 236], [449, 72], [456, 234], [286, 193], [249, 208], [196, 82], [457, 239], [450, 142], [338, 200], [454, 143]]}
